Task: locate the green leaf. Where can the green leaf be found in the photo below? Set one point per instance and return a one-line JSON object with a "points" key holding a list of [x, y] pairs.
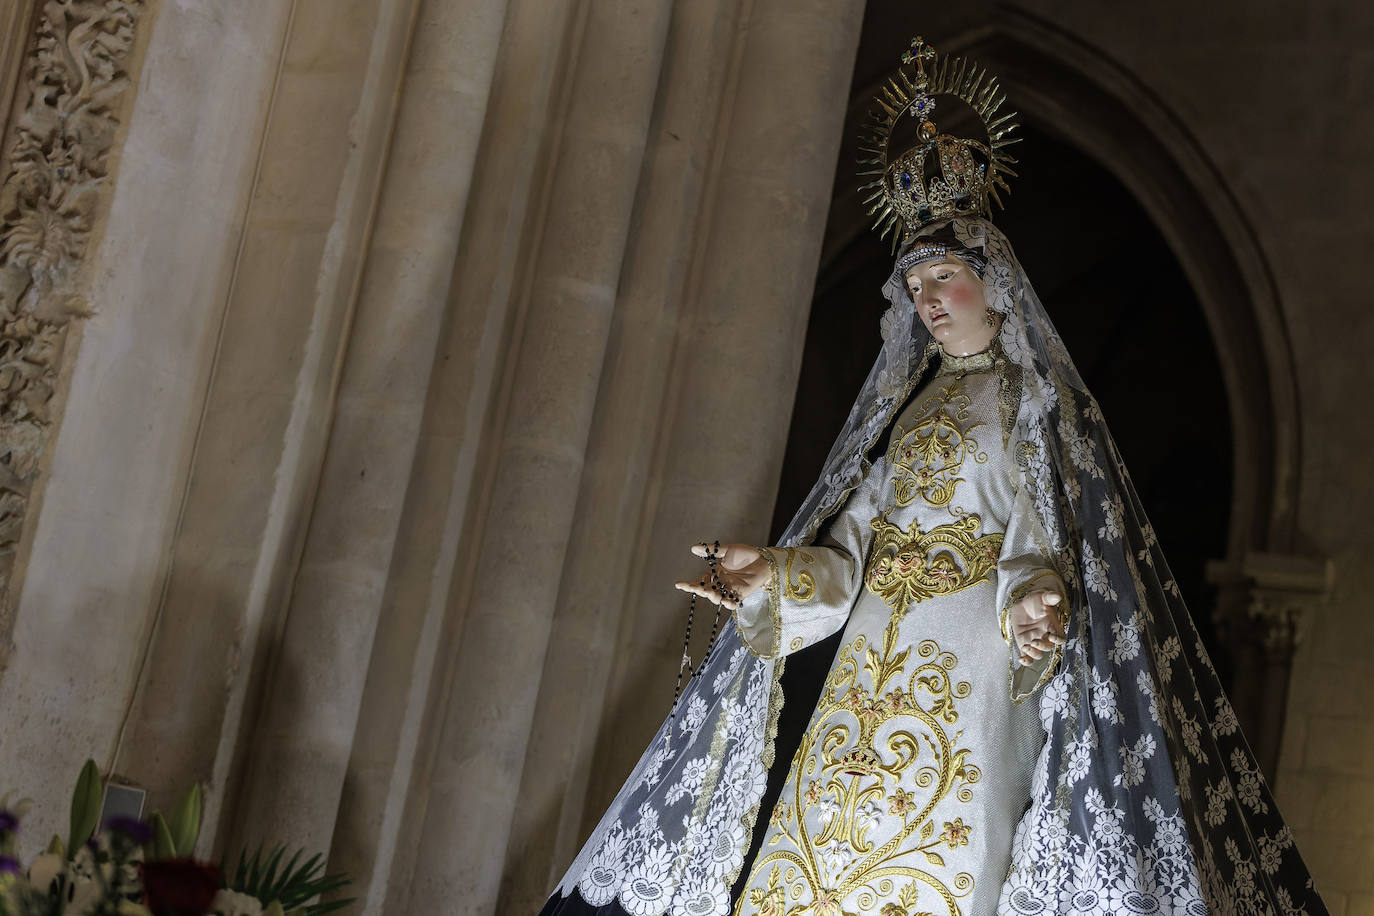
{"points": [[163, 845], [273, 909], [85, 806], [291, 884], [55, 847], [185, 823]]}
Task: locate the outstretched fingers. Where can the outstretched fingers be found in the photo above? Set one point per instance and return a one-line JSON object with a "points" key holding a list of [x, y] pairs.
{"points": [[720, 595], [713, 549]]}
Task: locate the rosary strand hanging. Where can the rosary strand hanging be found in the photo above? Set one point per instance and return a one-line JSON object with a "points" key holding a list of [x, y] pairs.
{"points": [[713, 555]]}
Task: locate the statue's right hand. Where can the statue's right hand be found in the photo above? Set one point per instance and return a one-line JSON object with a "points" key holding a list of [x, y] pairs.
{"points": [[741, 570]]}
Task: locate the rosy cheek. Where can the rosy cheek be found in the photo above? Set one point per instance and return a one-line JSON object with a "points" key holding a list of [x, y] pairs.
{"points": [[962, 296]]}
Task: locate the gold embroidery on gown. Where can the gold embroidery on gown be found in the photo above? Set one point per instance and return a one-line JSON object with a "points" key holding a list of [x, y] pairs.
{"points": [[879, 804], [926, 458], [913, 565], [847, 781]]}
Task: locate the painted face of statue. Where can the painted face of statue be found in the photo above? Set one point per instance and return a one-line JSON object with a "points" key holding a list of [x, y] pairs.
{"points": [[949, 298]]}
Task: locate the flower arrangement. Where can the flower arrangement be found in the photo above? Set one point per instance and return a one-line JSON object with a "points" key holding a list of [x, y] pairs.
{"points": [[130, 867]]}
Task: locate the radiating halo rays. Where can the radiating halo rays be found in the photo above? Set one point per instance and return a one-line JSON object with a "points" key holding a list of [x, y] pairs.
{"points": [[950, 76]]}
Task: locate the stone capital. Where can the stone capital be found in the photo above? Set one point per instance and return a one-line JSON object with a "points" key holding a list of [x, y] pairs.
{"points": [[1278, 592]]}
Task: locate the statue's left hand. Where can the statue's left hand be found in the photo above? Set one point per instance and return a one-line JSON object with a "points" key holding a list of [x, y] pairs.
{"points": [[1036, 623]]}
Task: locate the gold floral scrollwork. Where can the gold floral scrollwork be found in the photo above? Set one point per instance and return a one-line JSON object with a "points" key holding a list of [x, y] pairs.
{"points": [[879, 755], [805, 589], [911, 565], [926, 459]]}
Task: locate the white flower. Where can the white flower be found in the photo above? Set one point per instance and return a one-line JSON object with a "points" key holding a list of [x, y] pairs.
{"points": [[695, 835], [693, 717], [1112, 511], [1243, 877], [234, 903], [836, 856], [1108, 828], [1250, 788], [703, 895], [1169, 651], [1189, 728], [1097, 574], [737, 720], [1072, 489], [1126, 896], [745, 780], [1127, 635], [1080, 759], [1054, 835], [726, 852], [1057, 697], [1088, 894], [648, 821], [690, 779], [1217, 796], [602, 878], [1147, 689], [870, 813], [1251, 793], [1104, 699], [1224, 722], [826, 808], [1083, 454], [1269, 855], [647, 888], [660, 757], [732, 669]]}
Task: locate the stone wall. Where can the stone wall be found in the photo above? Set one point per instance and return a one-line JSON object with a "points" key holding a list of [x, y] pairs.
{"points": [[423, 335]]}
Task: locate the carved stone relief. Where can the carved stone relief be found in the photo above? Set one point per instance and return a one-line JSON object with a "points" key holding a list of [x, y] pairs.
{"points": [[73, 85]]}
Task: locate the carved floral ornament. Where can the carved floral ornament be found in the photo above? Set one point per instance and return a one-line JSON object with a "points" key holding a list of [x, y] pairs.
{"points": [[73, 86], [1281, 593]]}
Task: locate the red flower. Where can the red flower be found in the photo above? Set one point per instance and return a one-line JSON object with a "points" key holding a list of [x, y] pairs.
{"points": [[179, 887]]}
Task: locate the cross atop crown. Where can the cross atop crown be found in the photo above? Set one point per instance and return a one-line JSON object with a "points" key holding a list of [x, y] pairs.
{"points": [[918, 54]]}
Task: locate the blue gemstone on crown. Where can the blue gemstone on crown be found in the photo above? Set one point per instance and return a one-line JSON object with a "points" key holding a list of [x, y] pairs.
{"points": [[906, 181]]}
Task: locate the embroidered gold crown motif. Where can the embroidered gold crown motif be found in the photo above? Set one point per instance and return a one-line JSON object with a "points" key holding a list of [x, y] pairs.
{"points": [[942, 176]]}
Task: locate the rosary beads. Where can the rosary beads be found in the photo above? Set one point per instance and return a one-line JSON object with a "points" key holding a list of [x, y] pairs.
{"points": [[713, 555]]}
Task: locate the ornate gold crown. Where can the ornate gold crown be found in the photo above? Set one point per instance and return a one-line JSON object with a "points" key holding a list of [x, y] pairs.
{"points": [[942, 176]]}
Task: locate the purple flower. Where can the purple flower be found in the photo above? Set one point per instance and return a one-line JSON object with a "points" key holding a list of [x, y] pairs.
{"points": [[9, 865], [9, 821], [132, 828]]}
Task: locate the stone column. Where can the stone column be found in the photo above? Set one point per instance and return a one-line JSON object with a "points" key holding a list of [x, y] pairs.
{"points": [[283, 315], [383, 803], [729, 404], [700, 63], [300, 750], [567, 295]]}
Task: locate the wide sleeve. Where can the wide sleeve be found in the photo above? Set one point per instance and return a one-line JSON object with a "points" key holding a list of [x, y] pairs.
{"points": [[812, 588], [1024, 566]]}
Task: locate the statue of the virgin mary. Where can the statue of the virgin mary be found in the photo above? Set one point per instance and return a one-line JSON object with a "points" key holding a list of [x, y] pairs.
{"points": [[1021, 717]]}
